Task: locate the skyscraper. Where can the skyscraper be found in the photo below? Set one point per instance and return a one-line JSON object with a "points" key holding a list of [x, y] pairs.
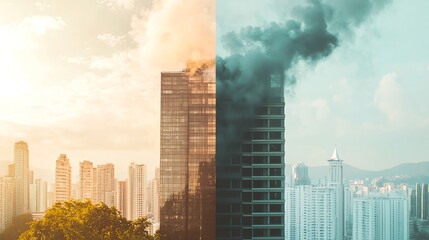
{"points": [[7, 196], [418, 207], [187, 169], [63, 186], [137, 195], [425, 202], [106, 183], [87, 181], [250, 161], [300, 175], [121, 197], [317, 212], [21, 178], [381, 217], [38, 196]]}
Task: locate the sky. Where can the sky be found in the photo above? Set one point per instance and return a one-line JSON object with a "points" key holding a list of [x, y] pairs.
{"points": [[83, 79], [368, 98]]}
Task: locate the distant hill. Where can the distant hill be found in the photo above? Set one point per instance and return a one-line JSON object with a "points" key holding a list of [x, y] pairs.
{"points": [[406, 170], [38, 172]]}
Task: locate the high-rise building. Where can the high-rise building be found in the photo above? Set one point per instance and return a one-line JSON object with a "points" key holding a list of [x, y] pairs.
{"points": [[425, 202], [250, 164], [187, 168], [418, 201], [121, 197], [317, 212], [86, 181], [7, 196], [413, 201], [106, 183], [38, 196], [336, 180], [137, 196], [11, 170], [21, 178], [154, 194], [63, 186], [300, 175], [381, 217]]}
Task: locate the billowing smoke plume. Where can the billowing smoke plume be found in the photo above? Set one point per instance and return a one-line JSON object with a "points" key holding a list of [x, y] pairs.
{"points": [[257, 53]]}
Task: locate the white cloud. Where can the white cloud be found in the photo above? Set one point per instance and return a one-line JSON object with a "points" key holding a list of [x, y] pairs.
{"points": [[110, 39], [40, 24], [388, 98], [42, 6], [118, 4]]}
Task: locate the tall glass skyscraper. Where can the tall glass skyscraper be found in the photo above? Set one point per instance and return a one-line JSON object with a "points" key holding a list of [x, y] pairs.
{"points": [[187, 169], [250, 167]]}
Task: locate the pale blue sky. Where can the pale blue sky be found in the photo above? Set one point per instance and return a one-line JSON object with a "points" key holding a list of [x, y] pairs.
{"points": [[369, 98]]}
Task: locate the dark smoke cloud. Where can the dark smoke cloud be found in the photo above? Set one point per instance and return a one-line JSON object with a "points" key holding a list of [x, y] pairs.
{"points": [[242, 78]]}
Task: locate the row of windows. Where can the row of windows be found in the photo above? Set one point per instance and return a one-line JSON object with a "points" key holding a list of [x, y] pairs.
{"points": [[249, 233], [262, 135], [257, 123], [262, 208], [249, 221], [247, 172], [247, 196], [246, 148], [269, 111], [248, 184], [248, 160]]}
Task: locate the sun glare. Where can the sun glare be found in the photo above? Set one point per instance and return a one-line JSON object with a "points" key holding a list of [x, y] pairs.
{"points": [[12, 76]]}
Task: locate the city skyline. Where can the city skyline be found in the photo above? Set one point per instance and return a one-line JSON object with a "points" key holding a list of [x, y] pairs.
{"points": [[60, 125], [66, 75]]}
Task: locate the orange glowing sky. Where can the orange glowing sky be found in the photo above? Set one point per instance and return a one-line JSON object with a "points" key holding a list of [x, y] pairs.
{"points": [[83, 78]]}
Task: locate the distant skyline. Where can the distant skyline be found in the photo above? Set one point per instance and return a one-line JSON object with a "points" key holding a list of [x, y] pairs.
{"points": [[369, 97], [83, 79]]}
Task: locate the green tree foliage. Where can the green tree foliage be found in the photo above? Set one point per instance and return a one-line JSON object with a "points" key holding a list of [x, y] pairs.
{"points": [[79, 220], [18, 226]]}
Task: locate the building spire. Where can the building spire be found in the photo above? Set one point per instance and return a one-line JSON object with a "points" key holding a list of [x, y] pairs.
{"points": [[335, 155]]}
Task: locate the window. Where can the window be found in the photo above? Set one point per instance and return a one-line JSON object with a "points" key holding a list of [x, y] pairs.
{"points": [[276, 111], [275, 135]]}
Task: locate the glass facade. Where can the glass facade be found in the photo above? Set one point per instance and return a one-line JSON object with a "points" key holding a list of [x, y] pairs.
{"points": [[188, 145], [250, 171]]}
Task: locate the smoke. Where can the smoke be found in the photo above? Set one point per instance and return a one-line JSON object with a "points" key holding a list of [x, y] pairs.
{"points": [[258, 53], [172, 32]]}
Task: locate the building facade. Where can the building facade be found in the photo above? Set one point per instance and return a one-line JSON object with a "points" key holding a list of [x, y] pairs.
{"points": [[87, 185], [38, 196], [187, 168], [7, 196], [300, 175], [250, 164], [137, 196], [317, 211], [121, 197], [381, 217], [22, 180], [63, 186], [106, 183]]}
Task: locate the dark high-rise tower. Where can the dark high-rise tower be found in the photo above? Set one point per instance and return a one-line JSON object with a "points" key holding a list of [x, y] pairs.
{"points": [[187, 171], [250, 162]]}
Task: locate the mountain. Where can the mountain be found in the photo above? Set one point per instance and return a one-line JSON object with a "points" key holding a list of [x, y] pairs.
{"points": [[38, 172], [406, 170]]}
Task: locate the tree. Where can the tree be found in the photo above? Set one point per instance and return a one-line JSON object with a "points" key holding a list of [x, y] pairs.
{"points": [[79, 220], [18, 226]]}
